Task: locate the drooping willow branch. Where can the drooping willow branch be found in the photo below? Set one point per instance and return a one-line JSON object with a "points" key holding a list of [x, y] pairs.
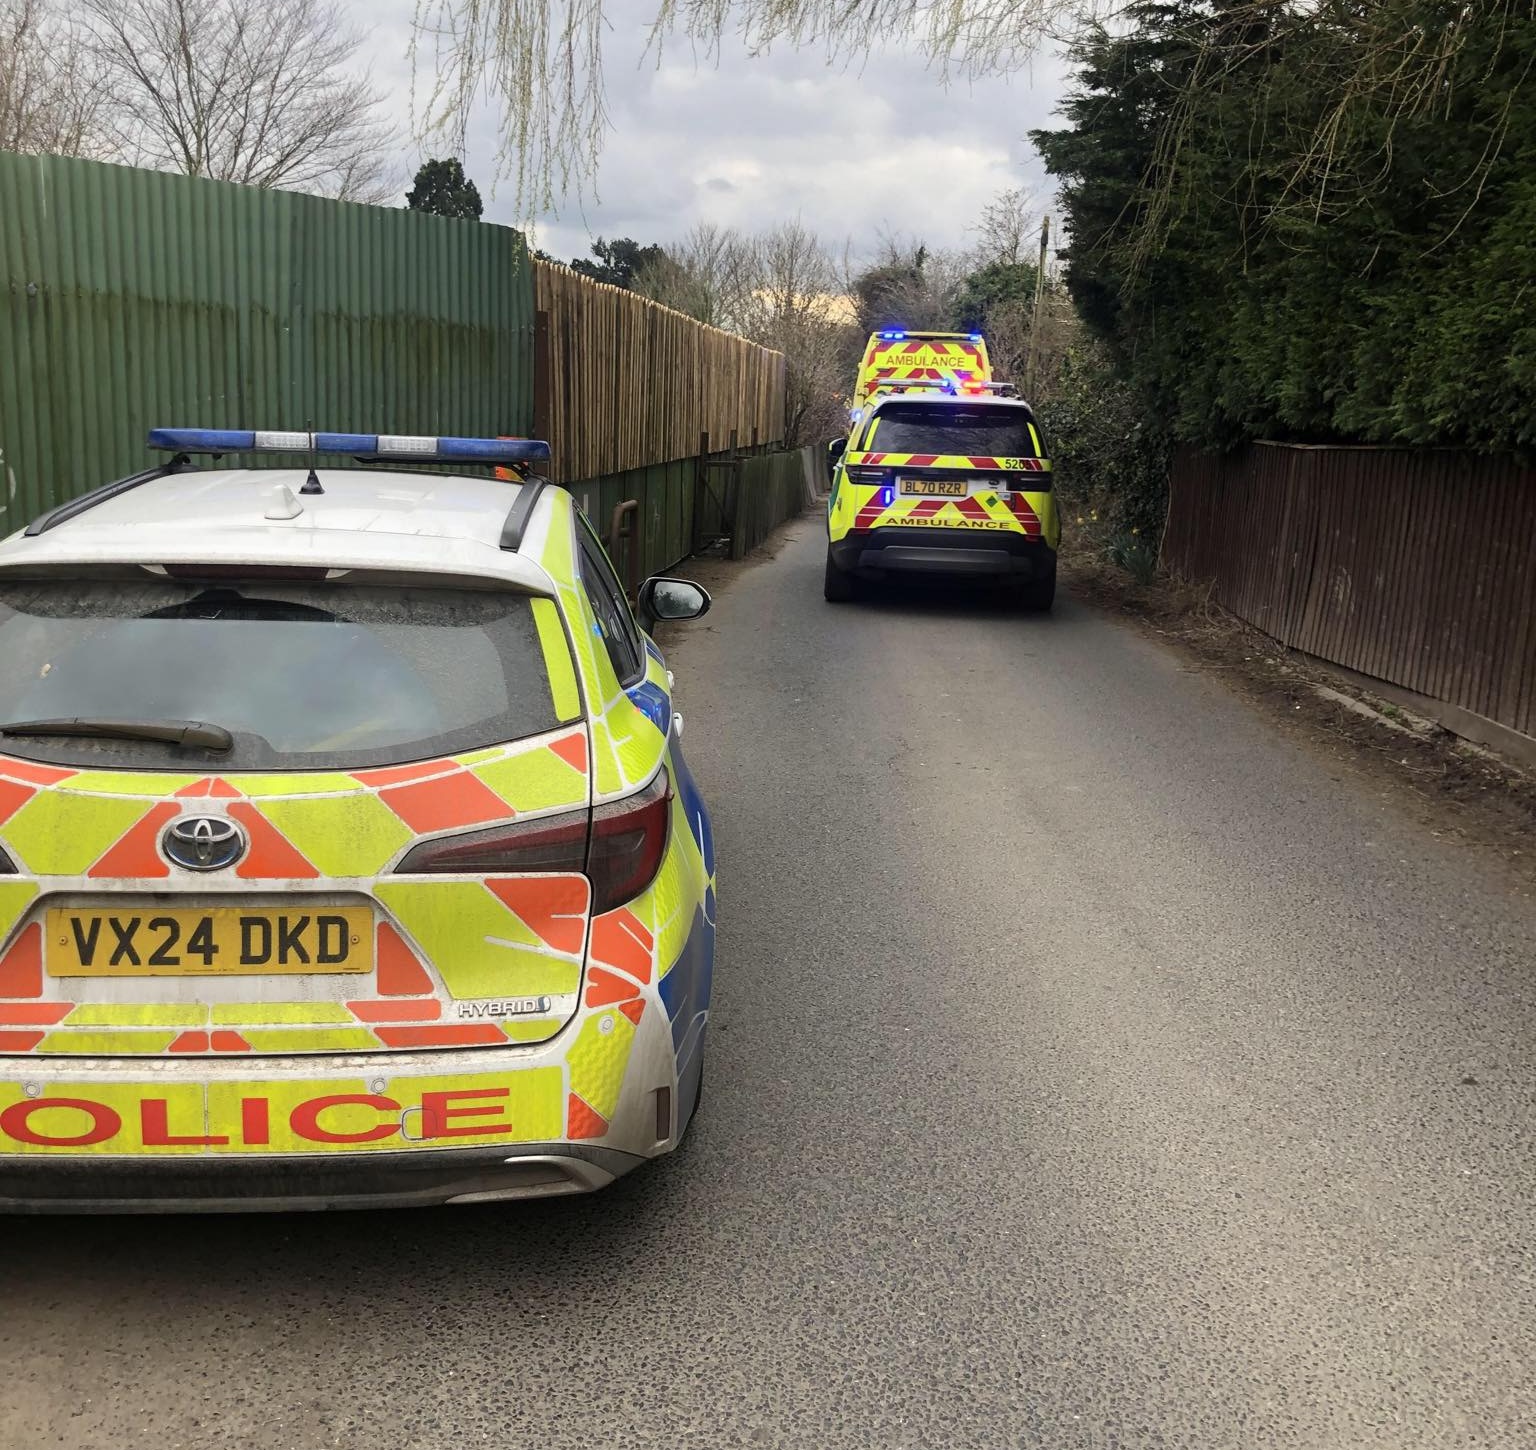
{"points": [[540, 62], [1370, 68]]}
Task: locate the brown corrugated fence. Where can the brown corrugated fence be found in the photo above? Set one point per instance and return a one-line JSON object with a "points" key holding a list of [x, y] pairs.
{"points": [[1416, 567]]}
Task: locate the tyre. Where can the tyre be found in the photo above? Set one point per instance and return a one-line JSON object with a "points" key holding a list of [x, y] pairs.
{"points": [[685, 1125], [839, 587], [1036, 596]]}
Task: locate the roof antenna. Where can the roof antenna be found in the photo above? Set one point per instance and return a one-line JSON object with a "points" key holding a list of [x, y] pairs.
{"points": [[312, 483]]}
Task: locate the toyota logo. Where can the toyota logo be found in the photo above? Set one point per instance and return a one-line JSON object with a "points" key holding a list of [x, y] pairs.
{"points": [[203, 843]]}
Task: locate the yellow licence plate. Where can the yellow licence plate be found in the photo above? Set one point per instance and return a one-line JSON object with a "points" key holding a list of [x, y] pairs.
{"points": [[223, 941], [936, 487]]}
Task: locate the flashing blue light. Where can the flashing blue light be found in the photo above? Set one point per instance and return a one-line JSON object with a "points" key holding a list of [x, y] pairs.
{"points": [[393, 447], [888, 495], [975, 337], [893, 336]]}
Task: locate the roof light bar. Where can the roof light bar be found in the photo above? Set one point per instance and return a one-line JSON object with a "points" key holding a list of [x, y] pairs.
{"points": [[910, 385], [893, 336], [354, 445], [949, 387]]}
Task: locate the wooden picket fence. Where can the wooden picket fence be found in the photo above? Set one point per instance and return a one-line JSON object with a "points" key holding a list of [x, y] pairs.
{"points": [[621, 382]]}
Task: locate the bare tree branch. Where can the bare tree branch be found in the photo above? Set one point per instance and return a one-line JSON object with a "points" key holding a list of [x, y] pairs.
{"points": [[51, 97], [1010, 222], [781, 288], [262, 92]]}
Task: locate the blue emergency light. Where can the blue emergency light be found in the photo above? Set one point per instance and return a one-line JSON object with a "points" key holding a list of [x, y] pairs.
{"points": [[893, 336], [383, 446], [975, 337]]}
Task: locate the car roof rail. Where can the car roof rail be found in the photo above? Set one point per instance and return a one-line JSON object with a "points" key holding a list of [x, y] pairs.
{"points": [[72, 508], [521, 512]]}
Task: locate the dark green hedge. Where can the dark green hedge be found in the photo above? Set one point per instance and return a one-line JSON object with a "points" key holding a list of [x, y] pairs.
{"points": [[1314, 222]]}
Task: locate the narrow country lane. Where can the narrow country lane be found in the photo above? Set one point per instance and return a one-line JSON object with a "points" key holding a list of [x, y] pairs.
{"points": [[1091, 1068]]}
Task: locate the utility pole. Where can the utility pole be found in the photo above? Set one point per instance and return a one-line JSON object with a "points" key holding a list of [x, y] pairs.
{"points": [[1034, 322]]}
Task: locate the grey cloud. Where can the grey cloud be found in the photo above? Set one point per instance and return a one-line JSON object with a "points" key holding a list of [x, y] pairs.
{"points": [[752, 140]]}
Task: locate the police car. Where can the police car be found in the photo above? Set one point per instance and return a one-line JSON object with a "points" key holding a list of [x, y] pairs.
{"points": [[949, 481], [349, 853]]}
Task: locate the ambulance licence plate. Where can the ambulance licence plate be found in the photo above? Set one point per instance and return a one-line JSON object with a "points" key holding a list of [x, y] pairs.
{"points": [[223, 941], [936, 487]]}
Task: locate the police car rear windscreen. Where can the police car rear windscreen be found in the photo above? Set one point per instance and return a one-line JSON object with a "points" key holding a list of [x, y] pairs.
{"points": [[301, 675]]}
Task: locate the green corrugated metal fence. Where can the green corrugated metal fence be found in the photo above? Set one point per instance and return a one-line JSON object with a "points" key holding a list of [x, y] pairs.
{"points": [[131, 299], [736, 500], [771, 489], [662, 527]]}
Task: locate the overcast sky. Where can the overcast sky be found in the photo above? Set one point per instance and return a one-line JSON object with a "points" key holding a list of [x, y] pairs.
{"points": [[750, 141]]}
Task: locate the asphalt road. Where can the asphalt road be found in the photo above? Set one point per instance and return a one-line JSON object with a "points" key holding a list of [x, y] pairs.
{"points": [[1092, 1066]]}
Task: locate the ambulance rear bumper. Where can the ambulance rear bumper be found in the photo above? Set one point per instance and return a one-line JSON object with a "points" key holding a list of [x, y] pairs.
{"points": [[876, 553]]}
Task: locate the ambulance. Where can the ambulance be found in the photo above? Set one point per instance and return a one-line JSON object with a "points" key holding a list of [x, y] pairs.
{"points": [[944, 480], [939, 358]]}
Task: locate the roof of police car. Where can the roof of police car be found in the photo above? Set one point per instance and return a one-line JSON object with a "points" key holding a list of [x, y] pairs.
{"points": [[365, 519]]}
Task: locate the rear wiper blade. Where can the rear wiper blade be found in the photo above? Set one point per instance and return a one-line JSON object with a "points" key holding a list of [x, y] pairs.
{"points": [[191, 733]]}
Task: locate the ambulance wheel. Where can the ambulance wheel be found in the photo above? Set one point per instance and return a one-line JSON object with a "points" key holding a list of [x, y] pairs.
{"points": [[1036, 596], [839, 587]]}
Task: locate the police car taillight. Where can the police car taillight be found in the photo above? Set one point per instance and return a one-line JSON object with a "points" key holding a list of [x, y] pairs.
{"points": [[629, 838], [555, 843], [619, 850]]}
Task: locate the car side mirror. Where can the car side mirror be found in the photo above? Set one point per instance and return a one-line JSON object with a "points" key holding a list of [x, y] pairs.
{"points": [[661, 598], [835, 450]]}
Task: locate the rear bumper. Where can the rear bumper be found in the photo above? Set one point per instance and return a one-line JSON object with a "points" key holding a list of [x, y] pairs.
{"points": [[401, 1129], [376, 1180], [953, 553]]}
